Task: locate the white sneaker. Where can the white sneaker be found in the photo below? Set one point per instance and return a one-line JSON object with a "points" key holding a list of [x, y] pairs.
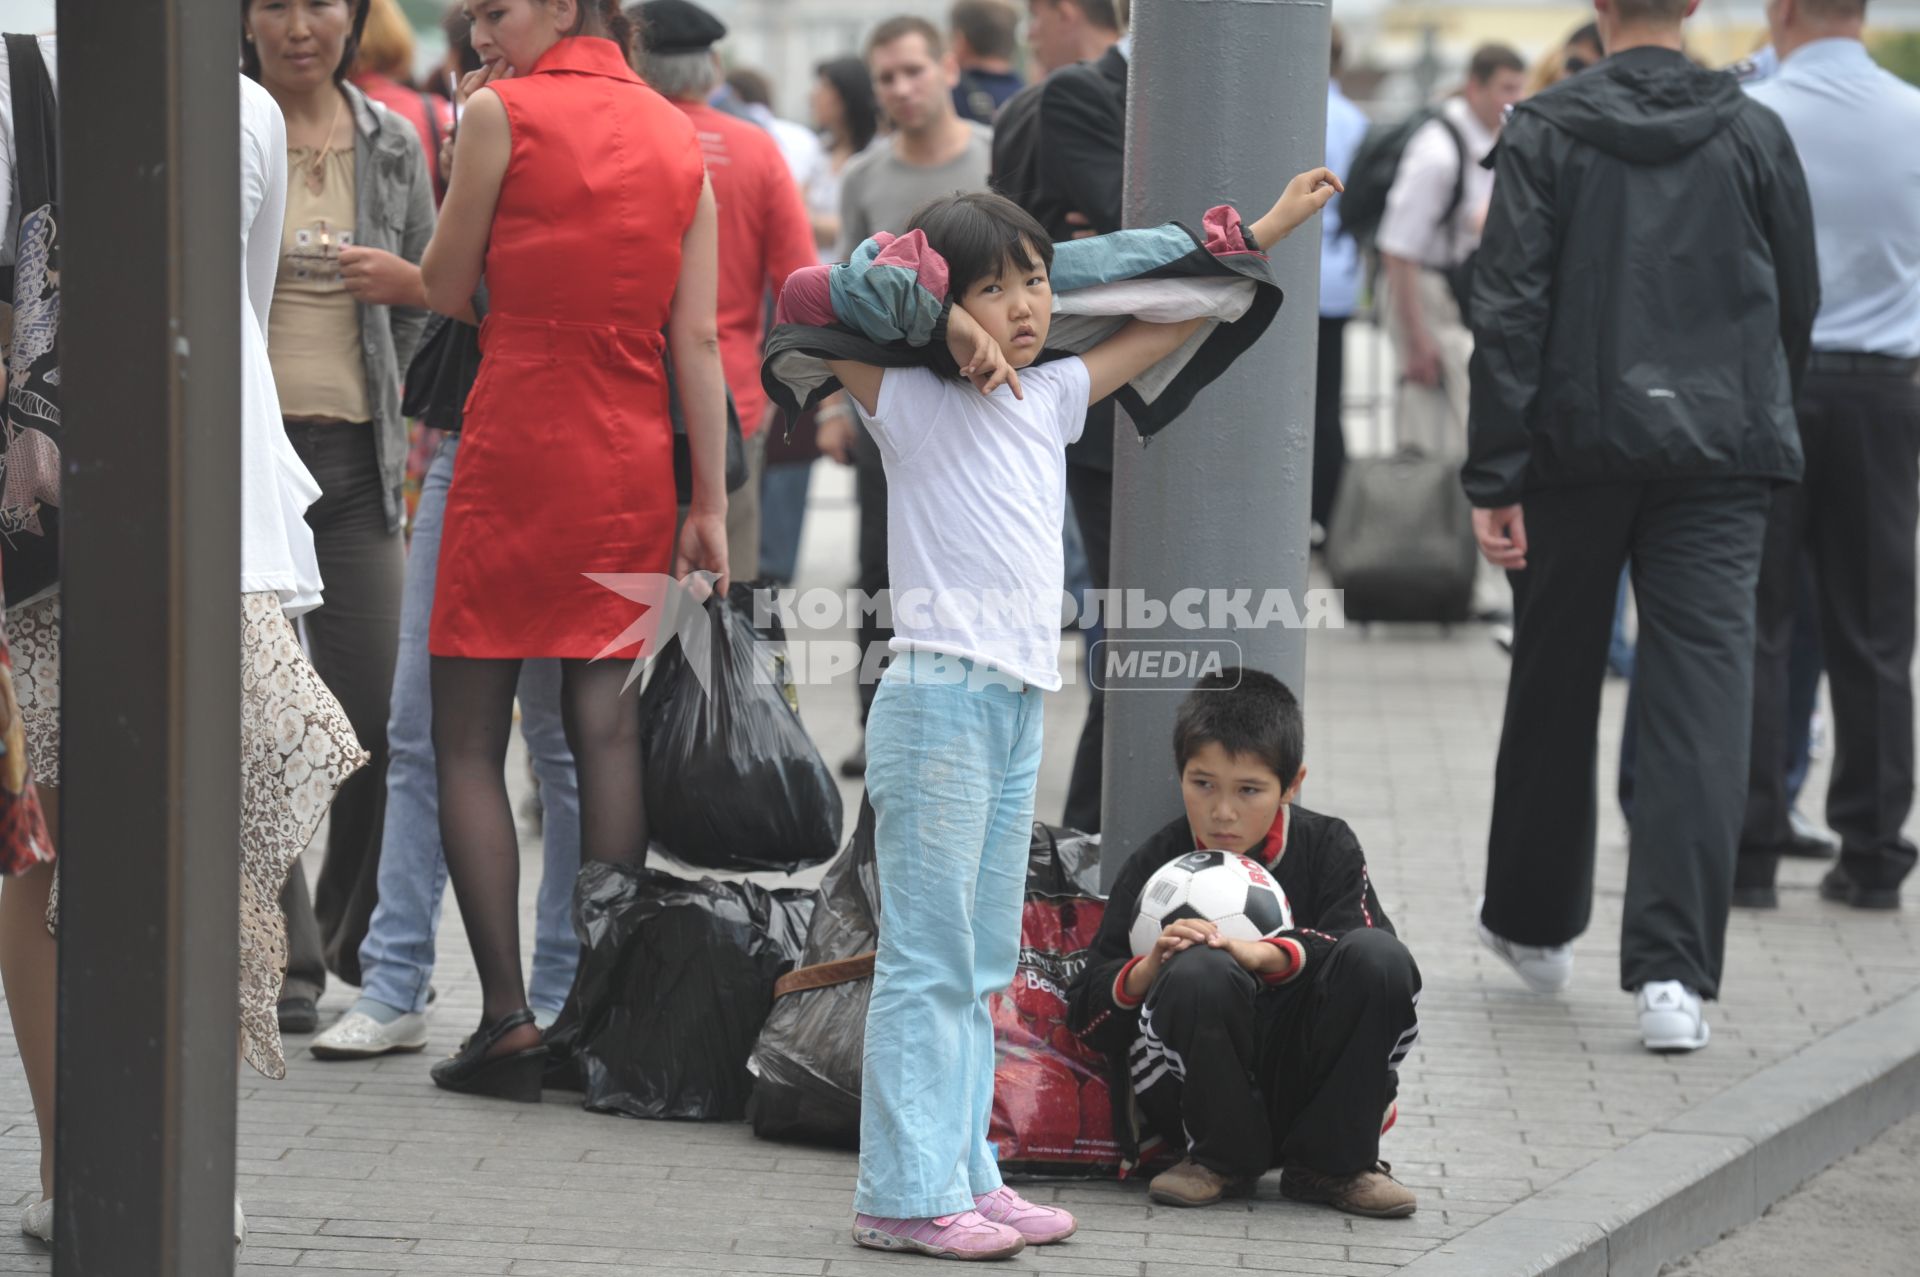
{"points": [[358, 1036], [239, 1223], [1544, 970], [1671, 1018]]}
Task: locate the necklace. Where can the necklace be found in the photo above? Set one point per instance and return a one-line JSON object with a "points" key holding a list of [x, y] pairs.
{"points": [[316, 168]]}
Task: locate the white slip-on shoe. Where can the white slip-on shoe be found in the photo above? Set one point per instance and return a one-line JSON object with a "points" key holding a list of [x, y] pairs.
{"points": [[358, 1036], [1670, 1017], [1543, 969]]}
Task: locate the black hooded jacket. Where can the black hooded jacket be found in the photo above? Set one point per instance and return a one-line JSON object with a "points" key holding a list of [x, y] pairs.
{"points": [[1645, 289]]}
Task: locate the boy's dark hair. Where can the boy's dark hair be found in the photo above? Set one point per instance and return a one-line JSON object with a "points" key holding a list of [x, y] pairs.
{"points": [[1490, 59], [991, 26], [903, 26], [977, 232], [1242, 711]]}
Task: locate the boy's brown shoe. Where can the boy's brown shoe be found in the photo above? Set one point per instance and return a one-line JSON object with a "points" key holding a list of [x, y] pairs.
{"points": [[1373, 1193], [1191, 1184]]}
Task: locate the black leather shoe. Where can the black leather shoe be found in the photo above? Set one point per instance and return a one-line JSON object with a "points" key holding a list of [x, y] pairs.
{"points": [[1753, 875], [1839, 887], [514, 1076], [298, 1015]]}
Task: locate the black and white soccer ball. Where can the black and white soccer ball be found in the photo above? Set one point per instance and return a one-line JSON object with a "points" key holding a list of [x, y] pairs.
{"points": [[1230, 891]]}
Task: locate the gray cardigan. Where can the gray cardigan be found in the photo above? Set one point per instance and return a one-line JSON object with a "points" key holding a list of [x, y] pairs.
{"points": [[393, 210]]}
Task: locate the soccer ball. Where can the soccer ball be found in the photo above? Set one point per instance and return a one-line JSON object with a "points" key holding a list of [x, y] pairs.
{"points": [[1228, 890]]}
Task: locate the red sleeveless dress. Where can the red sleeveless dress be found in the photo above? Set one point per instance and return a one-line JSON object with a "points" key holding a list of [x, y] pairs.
{"points": [[566, 465]]}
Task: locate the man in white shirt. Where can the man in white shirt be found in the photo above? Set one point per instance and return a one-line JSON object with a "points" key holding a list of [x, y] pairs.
{"points": [[1431, 226], [1855, 513]]}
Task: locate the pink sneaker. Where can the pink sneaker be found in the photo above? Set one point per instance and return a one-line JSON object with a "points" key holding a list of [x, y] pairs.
{"points": [[1040, 1225], [964, 1236]]}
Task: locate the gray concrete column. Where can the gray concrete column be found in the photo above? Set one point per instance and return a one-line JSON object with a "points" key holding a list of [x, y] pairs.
{"points": [[1226, 100]]}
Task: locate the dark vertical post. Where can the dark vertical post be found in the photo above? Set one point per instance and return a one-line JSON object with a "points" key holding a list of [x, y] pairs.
{"points": [[150, 371], [1225, 102]]}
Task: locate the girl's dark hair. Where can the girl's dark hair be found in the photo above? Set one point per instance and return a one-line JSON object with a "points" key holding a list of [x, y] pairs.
{"points": [[250, 56], [1242, 711], [977, 233], [849, 78]]}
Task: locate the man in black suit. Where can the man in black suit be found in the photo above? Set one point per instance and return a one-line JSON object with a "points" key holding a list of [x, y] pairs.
{"points": [[1059, 151]]}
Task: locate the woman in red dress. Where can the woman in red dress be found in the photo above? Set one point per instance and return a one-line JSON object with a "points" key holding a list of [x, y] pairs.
{"points": [[582, 196]]}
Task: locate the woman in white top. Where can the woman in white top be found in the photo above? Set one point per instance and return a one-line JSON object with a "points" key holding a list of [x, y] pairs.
{"points": [[296, 745]]}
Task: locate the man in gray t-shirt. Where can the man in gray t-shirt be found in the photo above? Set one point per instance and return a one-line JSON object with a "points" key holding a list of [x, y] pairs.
{"points": [[931, 152]]}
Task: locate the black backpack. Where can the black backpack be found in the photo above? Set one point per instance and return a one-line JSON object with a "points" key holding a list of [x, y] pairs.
{"points": [[1376, 164]]}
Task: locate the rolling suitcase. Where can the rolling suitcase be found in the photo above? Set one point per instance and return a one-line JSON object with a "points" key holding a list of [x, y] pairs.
{"points": [[1401, 547]]}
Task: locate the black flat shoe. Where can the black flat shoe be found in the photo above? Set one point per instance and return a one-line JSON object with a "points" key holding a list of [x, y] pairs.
{"points": [[515, 1076], [854, 765], [298, 1015]]}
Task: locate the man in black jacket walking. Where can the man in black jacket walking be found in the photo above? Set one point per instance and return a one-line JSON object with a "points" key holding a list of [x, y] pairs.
{"points": [[1642, 301]]}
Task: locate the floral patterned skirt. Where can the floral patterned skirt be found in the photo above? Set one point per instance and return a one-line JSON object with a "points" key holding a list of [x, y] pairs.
{"points": [[296, 746], [33, 640], [23, 829]]}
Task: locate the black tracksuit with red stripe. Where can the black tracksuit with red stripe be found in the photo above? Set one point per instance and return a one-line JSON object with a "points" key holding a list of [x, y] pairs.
{"points": [[1296, 1069]]}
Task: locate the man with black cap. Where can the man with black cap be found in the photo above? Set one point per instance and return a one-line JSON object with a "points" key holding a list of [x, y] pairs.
{"points": [[765, 234]]}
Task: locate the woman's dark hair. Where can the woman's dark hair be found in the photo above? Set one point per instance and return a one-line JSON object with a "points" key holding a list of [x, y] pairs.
{"points": [[458, 27], [849, 78], [1242, 711], [604, 18], [979, 232], [250, 56]]}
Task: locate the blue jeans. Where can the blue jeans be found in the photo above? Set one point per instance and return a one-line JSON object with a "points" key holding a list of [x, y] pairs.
{"points": [[953, 754], [396, 959], [783, 514]]}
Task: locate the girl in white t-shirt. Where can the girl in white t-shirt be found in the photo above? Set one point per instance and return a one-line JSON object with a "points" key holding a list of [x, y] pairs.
{"points": [[976, 491]]}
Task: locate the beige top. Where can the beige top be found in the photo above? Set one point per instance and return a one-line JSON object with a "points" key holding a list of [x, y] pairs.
{"points": [[314, 327]]}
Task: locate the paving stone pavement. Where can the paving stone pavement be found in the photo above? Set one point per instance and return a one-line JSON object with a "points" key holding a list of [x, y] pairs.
{"points": [[366, 1169]]}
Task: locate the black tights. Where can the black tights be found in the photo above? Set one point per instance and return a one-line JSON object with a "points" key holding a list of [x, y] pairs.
{"points": [[472, 720]]}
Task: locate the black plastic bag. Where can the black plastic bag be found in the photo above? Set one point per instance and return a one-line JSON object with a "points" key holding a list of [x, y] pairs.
{"points": [[731, 779], [806, 1066], [674, 983]]}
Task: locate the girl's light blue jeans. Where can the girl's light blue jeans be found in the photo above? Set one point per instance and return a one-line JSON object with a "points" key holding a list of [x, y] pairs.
{"points": [[953, 754]]}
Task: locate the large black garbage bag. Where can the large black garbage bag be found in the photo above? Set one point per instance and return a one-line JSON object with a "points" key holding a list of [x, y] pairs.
{"points": [[806, 1066], [731, 779], [674, 983]]}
